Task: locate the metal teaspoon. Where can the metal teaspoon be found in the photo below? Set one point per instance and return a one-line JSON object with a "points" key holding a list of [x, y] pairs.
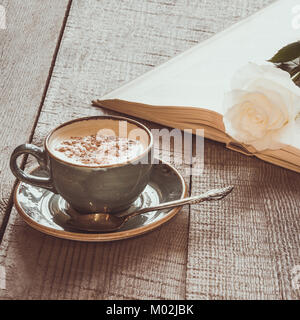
{"points": [[105, 222]]}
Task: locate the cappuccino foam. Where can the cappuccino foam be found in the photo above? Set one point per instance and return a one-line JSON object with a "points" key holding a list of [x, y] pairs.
{"points": [[98, 149], [98, 142]]}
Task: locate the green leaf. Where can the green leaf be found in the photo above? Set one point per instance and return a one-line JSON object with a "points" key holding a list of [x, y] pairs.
{"points": [[287, 53]]}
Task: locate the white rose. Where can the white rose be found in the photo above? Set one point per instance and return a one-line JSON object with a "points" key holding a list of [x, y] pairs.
{"points": [[262, 105]]}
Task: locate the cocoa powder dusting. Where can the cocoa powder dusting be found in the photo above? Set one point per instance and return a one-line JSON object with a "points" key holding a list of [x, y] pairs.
{"points": [[99, 149]]}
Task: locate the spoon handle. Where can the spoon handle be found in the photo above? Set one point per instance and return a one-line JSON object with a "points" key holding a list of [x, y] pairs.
{"points": [[215, 194]]}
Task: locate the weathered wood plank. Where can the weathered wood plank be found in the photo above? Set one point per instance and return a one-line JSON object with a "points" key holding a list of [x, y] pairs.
{"points": [[27, 47], [241, 248], [150, 266], [245, 246]]}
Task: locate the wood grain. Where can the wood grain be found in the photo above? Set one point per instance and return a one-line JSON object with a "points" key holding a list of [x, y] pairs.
{"points": [[246, 246], [27, 47], [243, 247], [151, 266]]}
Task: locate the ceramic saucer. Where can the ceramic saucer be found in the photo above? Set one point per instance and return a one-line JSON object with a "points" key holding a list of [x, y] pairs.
{"points": [[47, 212]]}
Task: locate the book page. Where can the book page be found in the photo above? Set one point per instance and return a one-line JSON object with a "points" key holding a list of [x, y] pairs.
{"points": [[200, 76]]}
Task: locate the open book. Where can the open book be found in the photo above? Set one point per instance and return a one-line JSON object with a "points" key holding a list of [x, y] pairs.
{"points": [[187, 92]]}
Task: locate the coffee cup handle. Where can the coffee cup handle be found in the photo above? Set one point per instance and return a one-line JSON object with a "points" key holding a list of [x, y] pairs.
{"points": [[40, 155]]}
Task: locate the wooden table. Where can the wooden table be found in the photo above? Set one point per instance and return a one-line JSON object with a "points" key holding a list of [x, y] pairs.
{"points": [[56, 56]]}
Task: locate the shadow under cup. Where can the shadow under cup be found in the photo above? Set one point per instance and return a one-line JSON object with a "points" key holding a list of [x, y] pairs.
{"points": [[91, 188]]}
